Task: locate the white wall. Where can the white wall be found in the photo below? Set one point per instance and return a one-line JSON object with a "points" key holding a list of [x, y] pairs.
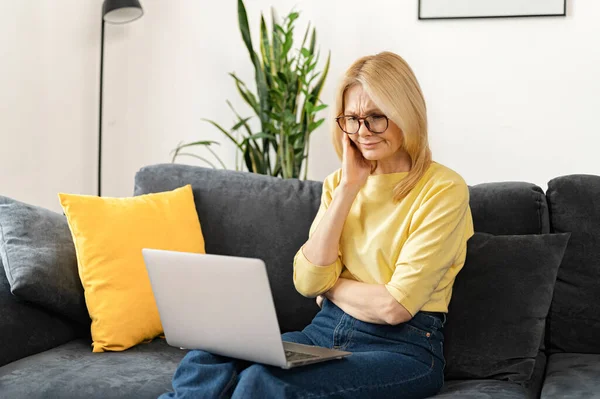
{"points": [[508, 99], [49, 51]]}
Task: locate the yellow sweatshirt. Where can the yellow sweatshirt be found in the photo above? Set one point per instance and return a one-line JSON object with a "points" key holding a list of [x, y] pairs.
{"points": [[415, 247]]}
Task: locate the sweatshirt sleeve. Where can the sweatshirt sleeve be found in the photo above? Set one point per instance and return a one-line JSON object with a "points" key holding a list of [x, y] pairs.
{"points": [[438, 234], [312, 280]]}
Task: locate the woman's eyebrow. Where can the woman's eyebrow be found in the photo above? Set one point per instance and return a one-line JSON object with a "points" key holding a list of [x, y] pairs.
{"points": [[372, 111]]}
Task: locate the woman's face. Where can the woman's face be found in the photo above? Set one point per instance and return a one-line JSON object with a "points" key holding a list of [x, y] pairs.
{"points": [[374, 147]]}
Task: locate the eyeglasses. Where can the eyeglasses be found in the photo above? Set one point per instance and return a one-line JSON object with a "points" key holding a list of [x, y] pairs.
{"points": [[351, 124]]}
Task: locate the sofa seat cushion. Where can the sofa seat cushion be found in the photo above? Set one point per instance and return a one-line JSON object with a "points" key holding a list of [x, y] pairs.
{"points": [[74, 371], [482, 389], [27, 329], [573, 376]]}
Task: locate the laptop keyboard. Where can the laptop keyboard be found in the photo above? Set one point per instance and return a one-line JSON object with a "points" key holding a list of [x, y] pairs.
{"points": [[292, 356]]}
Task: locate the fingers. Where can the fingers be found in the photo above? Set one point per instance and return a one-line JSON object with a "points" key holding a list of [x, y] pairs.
{"points": [[319, 300]]}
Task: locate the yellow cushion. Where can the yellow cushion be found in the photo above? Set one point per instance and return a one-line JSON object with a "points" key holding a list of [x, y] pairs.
{"points": [[109, 234]]}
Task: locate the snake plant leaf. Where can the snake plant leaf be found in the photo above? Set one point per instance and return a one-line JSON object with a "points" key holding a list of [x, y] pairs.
{"points": [[225, 132]]}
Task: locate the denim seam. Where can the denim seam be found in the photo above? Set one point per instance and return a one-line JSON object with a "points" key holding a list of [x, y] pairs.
{"points": [[374, 386], [335, 332], [229, 384], [350, 335], [442, 353]]}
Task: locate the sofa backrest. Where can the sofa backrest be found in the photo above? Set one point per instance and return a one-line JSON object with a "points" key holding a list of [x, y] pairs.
{"points": [[504, 208], [574, 319], [244, 214], [250, 215]]}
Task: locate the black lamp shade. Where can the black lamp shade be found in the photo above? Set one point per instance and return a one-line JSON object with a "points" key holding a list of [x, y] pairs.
{"points": [[121, 11]]}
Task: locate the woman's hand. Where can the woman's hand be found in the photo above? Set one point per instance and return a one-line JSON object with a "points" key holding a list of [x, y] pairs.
{"points": [[355, 168]]}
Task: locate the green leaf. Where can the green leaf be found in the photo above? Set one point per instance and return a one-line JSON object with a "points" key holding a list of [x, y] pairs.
{"points": [[250, 164], [216, 156], [265, 47], [241, 123], [244, 28], [262, 135], [240, 119], [225, 132], [279, 29], [275, 116], [287, 45], [316, 91], [195, 143], [308, 107], [187, 154], [256, 157], [313, 41], [305, 36], [292, 17], [305, 52], [313, 77], [319, 108], [312, 126], [261, 86], [282, 77], [276, 42], [246, 94]]}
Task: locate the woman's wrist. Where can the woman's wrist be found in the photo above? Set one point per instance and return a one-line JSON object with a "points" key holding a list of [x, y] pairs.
{"points": [[348, 189]]}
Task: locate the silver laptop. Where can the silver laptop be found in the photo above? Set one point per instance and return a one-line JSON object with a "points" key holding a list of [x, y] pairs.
{"points": [[223, 305]]}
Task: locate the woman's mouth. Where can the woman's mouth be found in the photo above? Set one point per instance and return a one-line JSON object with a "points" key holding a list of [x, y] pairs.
{"points": [[369, 145]]}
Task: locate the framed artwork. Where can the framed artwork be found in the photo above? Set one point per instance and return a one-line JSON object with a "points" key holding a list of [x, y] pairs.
{"points": [[459, 9]]}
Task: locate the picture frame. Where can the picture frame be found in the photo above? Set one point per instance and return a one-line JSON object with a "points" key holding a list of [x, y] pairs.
{"points": [[469, 9]]}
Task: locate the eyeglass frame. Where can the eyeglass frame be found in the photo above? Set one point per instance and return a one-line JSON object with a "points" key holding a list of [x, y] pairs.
{"points": [[361, 121]]}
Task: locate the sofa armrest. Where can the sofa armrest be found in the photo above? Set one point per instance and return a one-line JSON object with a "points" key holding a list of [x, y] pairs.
{"points": [[26, 329]]}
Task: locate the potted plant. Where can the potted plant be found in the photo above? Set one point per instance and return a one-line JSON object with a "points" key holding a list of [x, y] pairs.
{"points": [[285, 101]]}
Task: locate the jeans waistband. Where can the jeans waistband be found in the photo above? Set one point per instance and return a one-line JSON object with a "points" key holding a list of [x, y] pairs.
{"points": [[439, 315]]}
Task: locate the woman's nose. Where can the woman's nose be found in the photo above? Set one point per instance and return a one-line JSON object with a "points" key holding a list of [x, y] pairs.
{"points": [[363, 131]]}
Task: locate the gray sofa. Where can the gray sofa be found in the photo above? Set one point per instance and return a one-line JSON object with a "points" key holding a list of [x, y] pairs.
{"points": [[46, 355]]}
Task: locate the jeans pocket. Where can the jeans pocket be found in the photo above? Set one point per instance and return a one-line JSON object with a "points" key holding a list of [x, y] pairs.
{"points": [[417, 329]]}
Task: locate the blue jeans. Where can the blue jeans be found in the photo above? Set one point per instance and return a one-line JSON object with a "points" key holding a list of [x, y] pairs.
{"points": [[403, 361]]}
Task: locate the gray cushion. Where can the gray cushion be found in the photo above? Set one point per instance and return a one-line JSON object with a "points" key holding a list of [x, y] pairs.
{"points": [[26, 329], [250, 215], [505, 208], [492, 389], [509, 208], [573, 376], [482, 389], [574, 321], [39, 258], [499, 304], [73, 371]]}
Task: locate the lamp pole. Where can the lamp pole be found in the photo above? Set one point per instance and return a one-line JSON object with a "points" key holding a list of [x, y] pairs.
{"points": [[114, 12], [100, 111]]}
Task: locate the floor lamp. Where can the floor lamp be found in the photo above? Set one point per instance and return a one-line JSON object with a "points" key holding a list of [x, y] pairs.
{"points": [[113, 12]]}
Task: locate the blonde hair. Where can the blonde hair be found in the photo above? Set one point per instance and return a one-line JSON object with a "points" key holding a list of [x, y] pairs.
{"points": [[393, 87]]}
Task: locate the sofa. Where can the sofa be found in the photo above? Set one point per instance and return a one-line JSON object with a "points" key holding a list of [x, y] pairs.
{"points": [[44, 354]]}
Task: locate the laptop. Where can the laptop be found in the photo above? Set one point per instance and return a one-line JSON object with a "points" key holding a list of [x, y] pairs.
{"points": [[223, 305]]}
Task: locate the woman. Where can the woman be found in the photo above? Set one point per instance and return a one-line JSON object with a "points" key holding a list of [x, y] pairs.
{"points": [[381, 258]]}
